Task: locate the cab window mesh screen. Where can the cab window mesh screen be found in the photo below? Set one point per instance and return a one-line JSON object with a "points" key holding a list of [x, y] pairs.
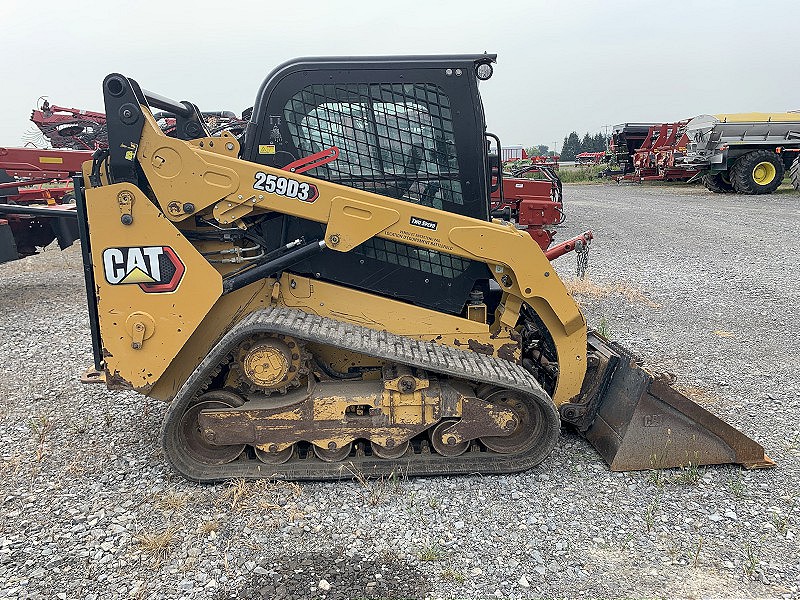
{"points": [[394, 139]]}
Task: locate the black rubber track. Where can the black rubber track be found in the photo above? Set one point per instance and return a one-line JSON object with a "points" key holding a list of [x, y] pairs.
{"points": [[715, 182], [742, 172], [431, 356]]}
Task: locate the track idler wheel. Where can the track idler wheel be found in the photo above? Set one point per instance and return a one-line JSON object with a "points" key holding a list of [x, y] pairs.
{"points": [[444, 444], [529, 423], [197, 446]]}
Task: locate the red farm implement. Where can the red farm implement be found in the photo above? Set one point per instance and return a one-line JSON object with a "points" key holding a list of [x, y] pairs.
{"points": [[589, 158], [35, 186], [535, 204], [35, 197], [71, 127], [657, 159]]}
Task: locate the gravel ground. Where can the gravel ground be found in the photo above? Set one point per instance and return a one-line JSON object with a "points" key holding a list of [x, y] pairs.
{"points": [[700, 285]]}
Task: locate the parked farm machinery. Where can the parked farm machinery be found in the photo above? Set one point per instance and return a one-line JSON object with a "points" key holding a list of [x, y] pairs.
{"points": [[35, 183], [36, 199], [747, 153], [589, 158], [70, 127], [626, 139], [659, 156]]}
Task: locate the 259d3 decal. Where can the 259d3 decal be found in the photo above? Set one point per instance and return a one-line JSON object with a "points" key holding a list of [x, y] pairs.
{"points": [[155, 269], [283, 186]]}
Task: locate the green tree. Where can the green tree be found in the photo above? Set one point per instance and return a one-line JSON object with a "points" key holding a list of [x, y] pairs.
{"points": [[600, 142], [587, 144], [571, 147], [539, 150]]}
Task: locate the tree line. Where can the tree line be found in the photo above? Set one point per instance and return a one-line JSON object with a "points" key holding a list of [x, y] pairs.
{"points": [[573, 145]]}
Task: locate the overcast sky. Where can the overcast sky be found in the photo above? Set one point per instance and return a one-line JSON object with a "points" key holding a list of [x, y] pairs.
{"points": [[562, 65]]}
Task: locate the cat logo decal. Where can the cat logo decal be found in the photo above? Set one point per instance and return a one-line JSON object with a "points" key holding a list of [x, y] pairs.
{"points": [[155, 269]]}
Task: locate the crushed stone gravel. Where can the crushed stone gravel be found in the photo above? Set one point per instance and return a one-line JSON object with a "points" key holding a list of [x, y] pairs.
{"points": [[699, 285]]}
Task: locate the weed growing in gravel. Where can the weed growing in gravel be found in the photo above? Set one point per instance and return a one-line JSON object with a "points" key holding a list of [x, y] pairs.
{"points": [[451, 574], [736, 486], [415, 510], [689, 475], [41, 427], [752, 553], [234, 492], [697, 551], [650, 514], [430, 553], [604, 328], [157, 545], [378, 489], [207, 527], [781, 521], [656, 477], [173, 501]]}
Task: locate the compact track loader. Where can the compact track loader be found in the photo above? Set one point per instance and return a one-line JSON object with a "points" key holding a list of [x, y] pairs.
{"points": [[328, 293]]}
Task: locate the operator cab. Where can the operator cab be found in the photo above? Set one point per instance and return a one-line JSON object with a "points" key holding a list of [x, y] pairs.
{"points": [[410, 128]]}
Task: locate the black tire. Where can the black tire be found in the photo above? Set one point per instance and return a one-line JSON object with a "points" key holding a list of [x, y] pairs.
{"points": [[794, 173], [745, 170], [717, 183]]}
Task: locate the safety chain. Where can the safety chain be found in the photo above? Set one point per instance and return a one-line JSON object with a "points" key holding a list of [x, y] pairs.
{"points": [[582, 257]]}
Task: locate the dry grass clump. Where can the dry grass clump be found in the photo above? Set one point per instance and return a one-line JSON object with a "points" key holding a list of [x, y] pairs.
{"points": [[157, 544], [592, 289], [173, 501], [240, 494]]}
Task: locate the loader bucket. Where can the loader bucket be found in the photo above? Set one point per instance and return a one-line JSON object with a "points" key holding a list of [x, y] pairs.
{"points": [[643, 423]]}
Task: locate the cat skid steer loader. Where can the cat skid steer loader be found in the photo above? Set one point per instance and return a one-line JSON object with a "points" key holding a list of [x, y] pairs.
{"points": [[328, 291]]}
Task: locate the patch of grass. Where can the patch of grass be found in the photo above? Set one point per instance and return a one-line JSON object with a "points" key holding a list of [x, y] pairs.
{"points": [[657, 477], [580, 173], [689, 475], [236, 491], [239, 494], [752, 559], [650, 514], [451, 574], [157, 544], [430, 553], [736, 486], [604, 328], [40, 426], [591, 289], [378, 489], [781, 521], [173, 501], [207, 527]]}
